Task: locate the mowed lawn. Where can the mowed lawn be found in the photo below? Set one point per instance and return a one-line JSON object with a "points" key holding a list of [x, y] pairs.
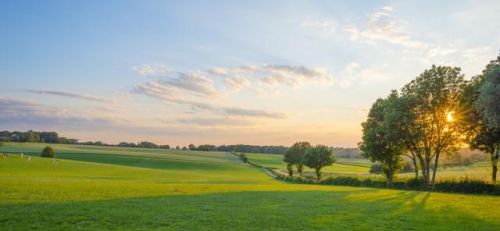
{"points": [[143, 189]]}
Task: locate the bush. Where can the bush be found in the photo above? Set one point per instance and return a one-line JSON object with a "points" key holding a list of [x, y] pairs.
{"points": [[48, 152], [244, 158]]}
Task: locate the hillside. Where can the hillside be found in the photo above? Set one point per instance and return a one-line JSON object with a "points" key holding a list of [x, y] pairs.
{"points": [[122, 188]]}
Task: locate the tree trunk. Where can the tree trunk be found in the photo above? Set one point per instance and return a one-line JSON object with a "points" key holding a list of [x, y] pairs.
{"points": [[426, 172], [299, 169], [389, 178], [434, 170], [416, 167], [494, 174], [318, 173], [290, 170], [494, 163]]}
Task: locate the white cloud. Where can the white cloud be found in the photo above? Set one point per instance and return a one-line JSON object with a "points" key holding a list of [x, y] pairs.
{"points": [[223, 122], [328, 25], [168, 94], [193, 82], [382, 26], [354, 73], [68, 94], [151, 70], [283, 74], [237, 83]]}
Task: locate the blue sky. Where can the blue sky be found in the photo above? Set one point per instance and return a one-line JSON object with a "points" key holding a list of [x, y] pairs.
{"points": [[225, 72]]}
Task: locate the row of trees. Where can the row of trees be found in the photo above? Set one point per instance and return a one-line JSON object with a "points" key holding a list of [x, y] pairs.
{"points": [[432, 116], [53, 137], [34, 136], [240, 148], [303, 154]]}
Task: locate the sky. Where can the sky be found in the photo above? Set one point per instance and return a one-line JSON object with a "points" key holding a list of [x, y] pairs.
{"points": [[225, 72]]}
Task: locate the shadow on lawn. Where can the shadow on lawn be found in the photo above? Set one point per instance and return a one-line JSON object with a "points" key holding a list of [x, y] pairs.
{"points": [[348, 210]]}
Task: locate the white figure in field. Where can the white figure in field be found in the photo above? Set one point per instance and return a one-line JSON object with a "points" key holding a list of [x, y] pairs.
{"points": [[5, 155], [29, 158], [54, 162], [22, 155]]}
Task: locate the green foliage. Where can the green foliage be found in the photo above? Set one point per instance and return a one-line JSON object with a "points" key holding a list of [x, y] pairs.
{"points": [[382, 142], [243, 157], [295, 155], [478, 103], [48, 152], [489, 96], [318, 157], [424, 126], [376, 168]]}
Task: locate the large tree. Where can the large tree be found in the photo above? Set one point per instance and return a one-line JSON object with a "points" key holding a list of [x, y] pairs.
{"points": [[318, 157], [480, 113], [382, 142], [430, 131], [489, 97], [295, 155]]}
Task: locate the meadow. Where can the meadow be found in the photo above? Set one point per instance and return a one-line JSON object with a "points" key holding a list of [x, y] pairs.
{"points": [[360, 168], [150, 189]]}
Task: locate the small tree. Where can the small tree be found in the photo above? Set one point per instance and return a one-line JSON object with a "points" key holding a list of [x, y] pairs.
{"points": [[381, 139], [244, 158], [295, 155], [48, 152], [318, 157]]}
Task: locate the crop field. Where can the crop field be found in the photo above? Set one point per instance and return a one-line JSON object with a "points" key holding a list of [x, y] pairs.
{"points": [[150, 189]]}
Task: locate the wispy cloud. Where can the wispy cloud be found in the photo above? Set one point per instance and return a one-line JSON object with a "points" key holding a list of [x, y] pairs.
{"points": [[67, 94], [328, 25], [151, 70], [354, 73], [17, 113], [252, 113], [274, 75], [214, 122], [381, 25], [193, 82], [237, 83], [166, 94]]}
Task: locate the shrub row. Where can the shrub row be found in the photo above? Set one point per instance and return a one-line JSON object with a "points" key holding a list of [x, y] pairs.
{"points": [[461, 185], [465, 185]]}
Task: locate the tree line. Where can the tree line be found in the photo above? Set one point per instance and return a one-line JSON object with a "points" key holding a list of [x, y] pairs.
{"points": [[35, 137], [53, 137], [431, 116]]}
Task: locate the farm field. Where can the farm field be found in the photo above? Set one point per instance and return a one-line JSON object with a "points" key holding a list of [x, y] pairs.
{"points": [[130, 188]]}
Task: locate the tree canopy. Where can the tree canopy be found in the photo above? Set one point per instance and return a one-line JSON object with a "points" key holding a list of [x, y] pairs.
{"points": [[48, 152], [318, 157], [381, 138], [295, 155]]}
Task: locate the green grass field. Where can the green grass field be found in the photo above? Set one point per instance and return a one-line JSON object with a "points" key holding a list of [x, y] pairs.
{"points": [[343, 166], [361, 167], [144, 189]]}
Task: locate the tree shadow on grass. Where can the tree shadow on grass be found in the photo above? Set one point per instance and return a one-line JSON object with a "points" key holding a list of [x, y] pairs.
{"points": [[277, 210]]}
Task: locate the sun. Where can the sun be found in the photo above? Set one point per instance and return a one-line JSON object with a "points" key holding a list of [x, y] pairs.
{"points": [[449, 116]]}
